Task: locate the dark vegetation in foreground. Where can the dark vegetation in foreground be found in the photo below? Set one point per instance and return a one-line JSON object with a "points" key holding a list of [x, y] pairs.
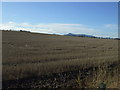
{"points": [[32, 60]]}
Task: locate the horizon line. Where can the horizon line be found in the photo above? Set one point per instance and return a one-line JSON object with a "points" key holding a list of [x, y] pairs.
{"points": [[61, 34]]}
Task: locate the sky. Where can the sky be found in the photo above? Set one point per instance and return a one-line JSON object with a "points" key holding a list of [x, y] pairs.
{"points": [[92, 18], [60, 0]]}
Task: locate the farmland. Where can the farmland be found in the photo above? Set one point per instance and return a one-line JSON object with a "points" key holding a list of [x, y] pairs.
{"points": [[35, 60]]}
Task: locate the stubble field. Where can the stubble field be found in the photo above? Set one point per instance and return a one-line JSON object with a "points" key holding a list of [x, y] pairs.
{"points": [[32, 60]]}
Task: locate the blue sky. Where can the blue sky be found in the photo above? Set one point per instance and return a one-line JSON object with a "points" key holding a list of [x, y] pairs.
{"points": [[94, 18]]}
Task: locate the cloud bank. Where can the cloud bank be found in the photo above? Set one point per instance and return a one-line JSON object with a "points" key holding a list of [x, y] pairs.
{"points": [[62, 28]]}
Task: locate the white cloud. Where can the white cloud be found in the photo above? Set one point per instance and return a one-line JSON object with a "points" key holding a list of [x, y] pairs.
{"points": [[58, 28], [111, 26]]}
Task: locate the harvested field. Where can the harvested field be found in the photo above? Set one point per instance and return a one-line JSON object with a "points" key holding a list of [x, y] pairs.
{"points": [[33, 60]]}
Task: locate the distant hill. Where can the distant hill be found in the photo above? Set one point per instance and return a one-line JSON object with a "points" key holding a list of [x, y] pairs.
{"points": [[91, 36], [69, 34], [79, 35]]}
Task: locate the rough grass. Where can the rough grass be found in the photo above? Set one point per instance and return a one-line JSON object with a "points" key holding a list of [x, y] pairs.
{"points": [[28, 54]]}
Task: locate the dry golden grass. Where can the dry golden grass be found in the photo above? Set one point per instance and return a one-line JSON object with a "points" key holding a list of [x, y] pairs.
{"points": [[30, 54]]}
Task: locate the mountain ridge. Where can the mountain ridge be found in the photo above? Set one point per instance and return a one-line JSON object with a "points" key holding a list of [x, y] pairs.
{"points": [[90, 36]]}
